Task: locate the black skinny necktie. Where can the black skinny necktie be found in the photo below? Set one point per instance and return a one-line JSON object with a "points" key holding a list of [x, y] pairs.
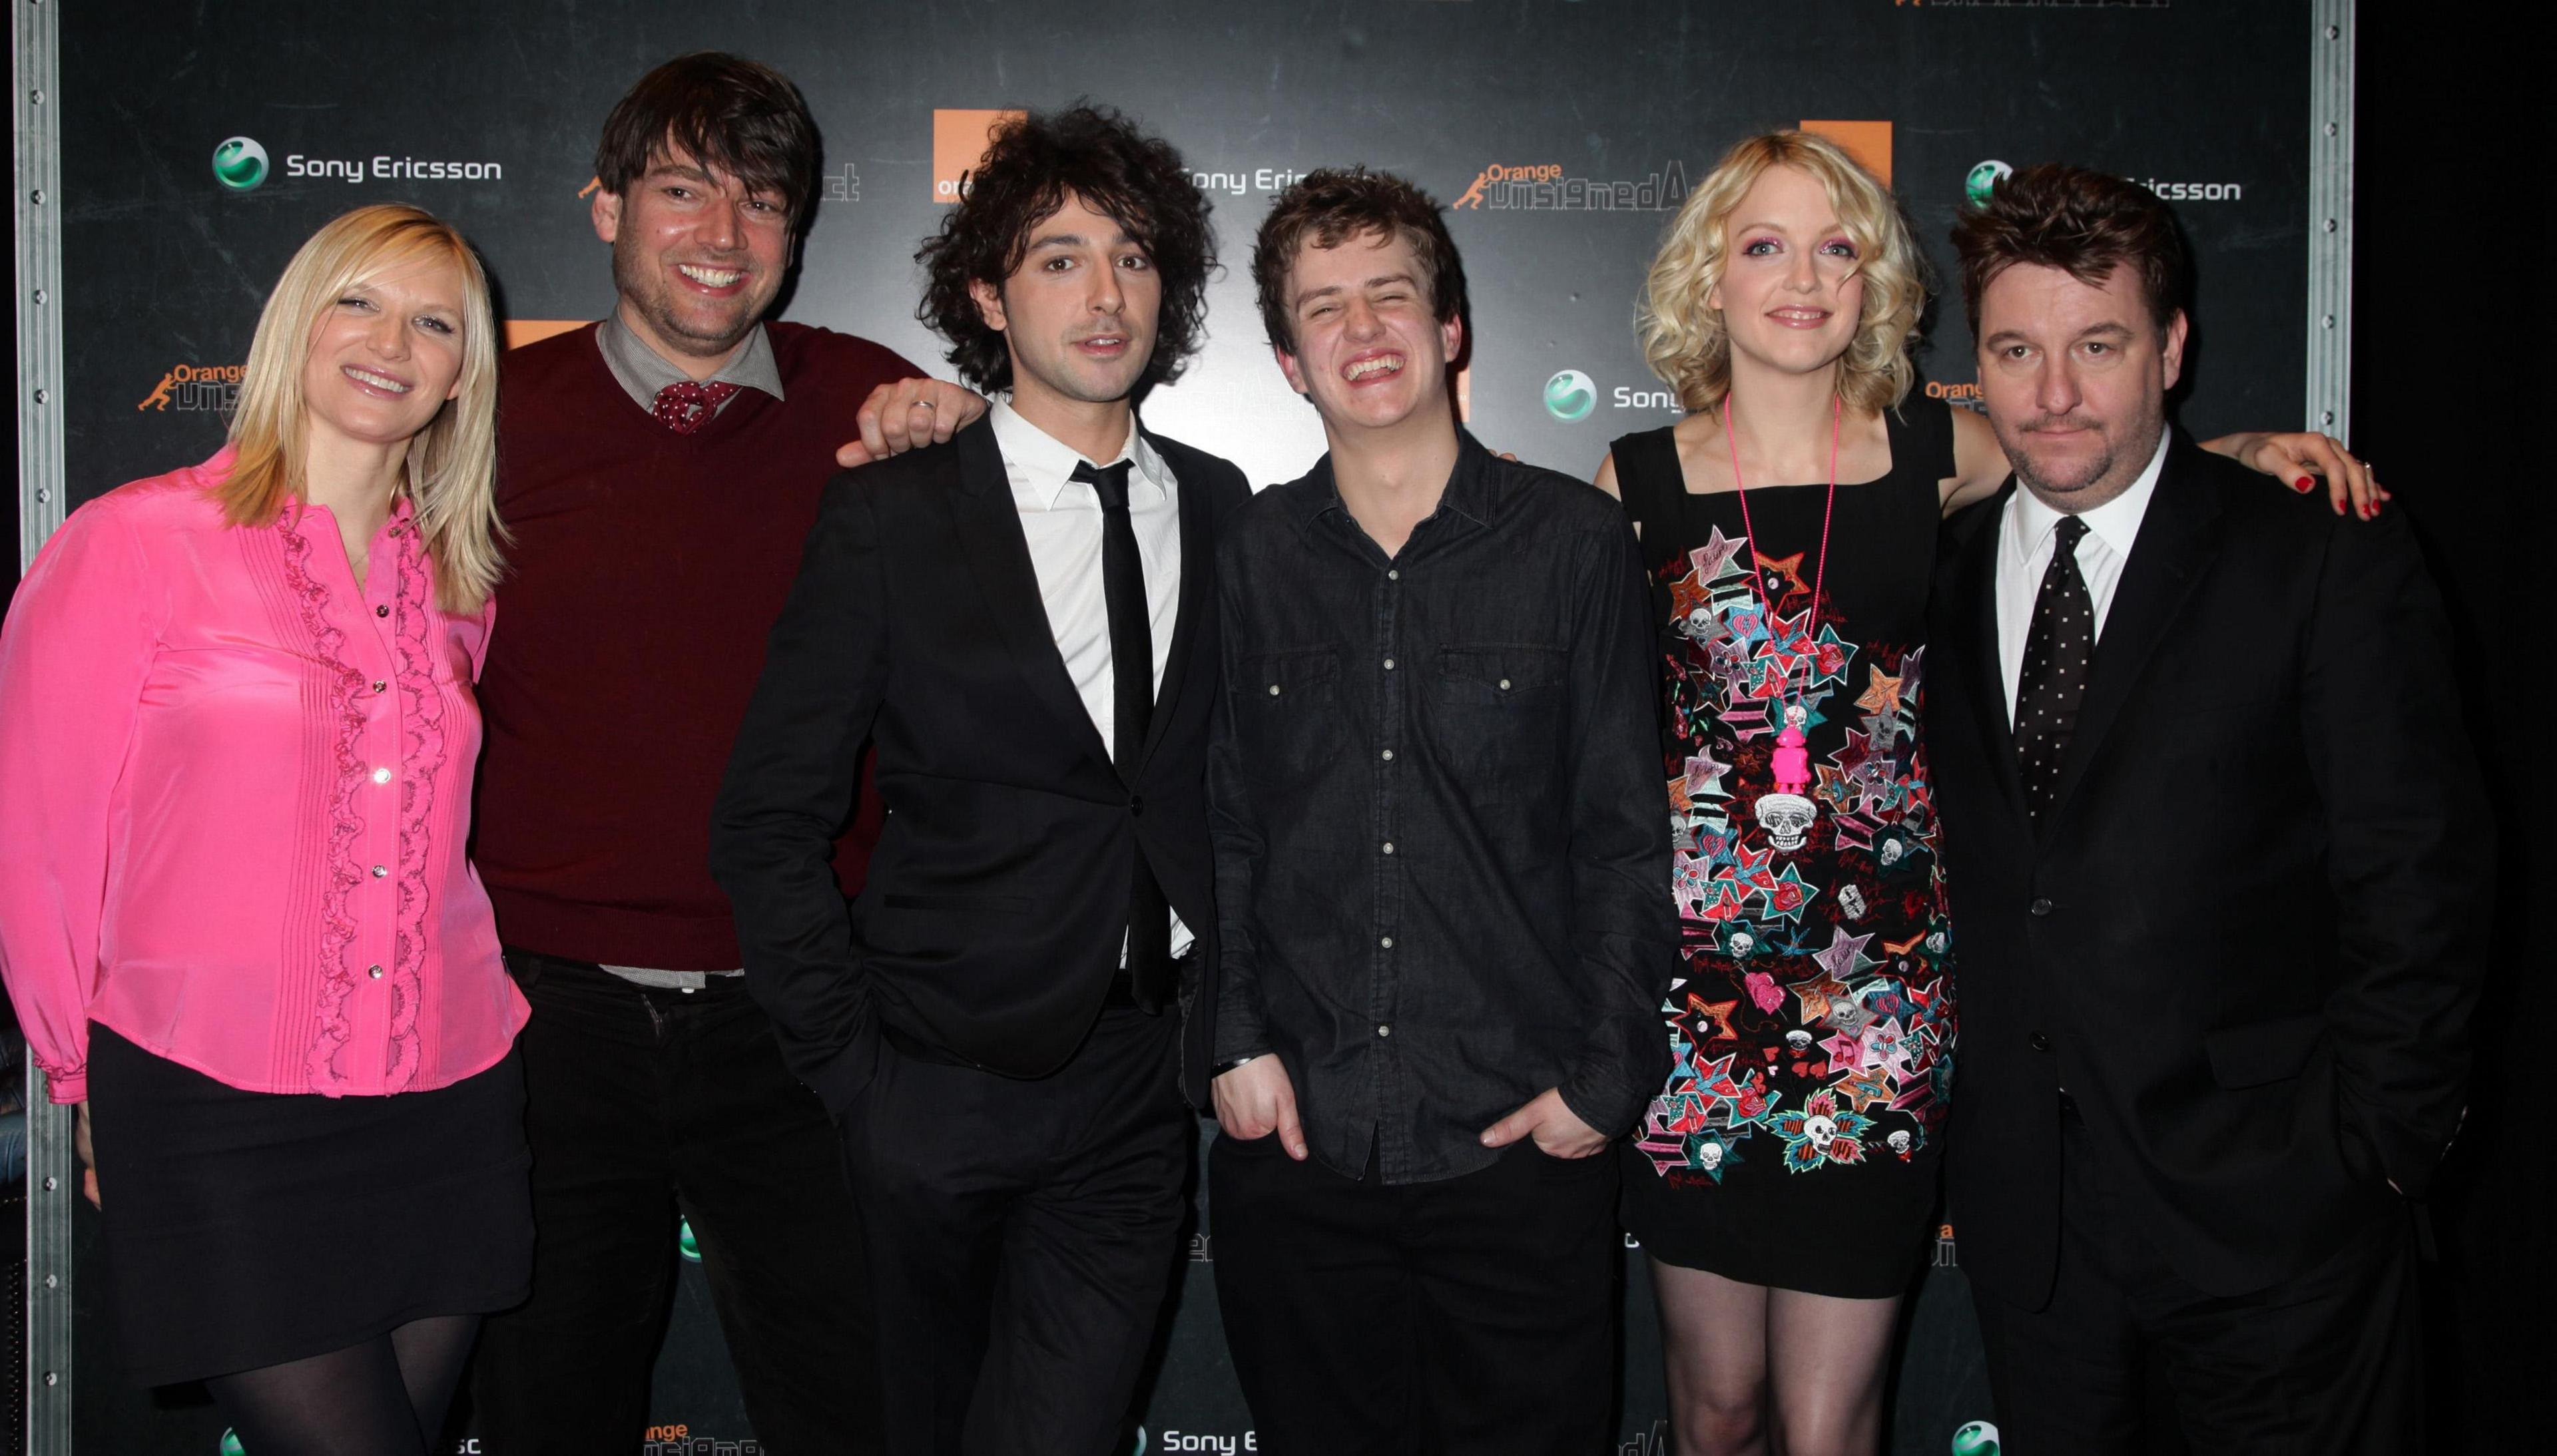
{"points": [[1132, 699], [2059, 655]]}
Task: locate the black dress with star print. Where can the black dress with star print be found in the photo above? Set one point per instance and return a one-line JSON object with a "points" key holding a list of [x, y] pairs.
{"points": [[1813, 1017]]}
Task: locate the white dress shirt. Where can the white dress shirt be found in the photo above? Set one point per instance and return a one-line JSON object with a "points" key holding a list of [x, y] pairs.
{"points": [[1061, 520], [2025, 538]]}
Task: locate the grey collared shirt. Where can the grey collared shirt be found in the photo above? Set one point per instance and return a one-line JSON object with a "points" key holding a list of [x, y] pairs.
{"points": [[644, 371]]}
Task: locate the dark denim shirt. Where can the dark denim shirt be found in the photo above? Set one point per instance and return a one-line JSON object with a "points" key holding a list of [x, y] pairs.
{"points": [[1442, 841]]}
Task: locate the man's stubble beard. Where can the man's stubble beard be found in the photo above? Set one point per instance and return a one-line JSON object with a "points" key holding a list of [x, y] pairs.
{"points": [[2098, 487], [636, 282]]}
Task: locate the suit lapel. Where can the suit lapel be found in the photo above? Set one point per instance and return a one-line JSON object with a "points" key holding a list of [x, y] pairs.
{"points": [[999, 556], [1198, 549], [1975, 617], [2178, 539]]}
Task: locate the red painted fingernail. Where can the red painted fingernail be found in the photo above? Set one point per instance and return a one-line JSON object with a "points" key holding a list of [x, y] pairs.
{"points": [[2301, 485]]}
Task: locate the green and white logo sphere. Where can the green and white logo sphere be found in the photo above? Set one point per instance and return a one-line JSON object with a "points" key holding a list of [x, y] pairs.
{"points": [[1979, 1438], [239, 163], [1983, 179], [232, 1444], [685, 1241], [1571, 395]]}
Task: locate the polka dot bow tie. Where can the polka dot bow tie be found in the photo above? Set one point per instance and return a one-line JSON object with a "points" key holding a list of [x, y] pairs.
{"points": [[686, 405]]}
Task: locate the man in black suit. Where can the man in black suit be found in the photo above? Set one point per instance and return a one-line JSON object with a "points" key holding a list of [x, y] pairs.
{"points": [[2220, 868], [1023, 626]]}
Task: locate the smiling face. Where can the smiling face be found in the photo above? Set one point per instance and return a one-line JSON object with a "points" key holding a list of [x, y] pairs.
{"points": [[1078, 314], [1791, 296], [387, 354], [697, 255], [2074, 377], [1368, 351]]}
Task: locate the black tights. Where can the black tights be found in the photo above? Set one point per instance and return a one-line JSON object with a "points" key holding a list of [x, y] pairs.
{"points": [[384, 1397]]}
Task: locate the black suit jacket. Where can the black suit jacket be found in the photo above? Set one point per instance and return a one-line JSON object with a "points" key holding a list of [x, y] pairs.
{"points": [[991, 923], [2249, 930]]}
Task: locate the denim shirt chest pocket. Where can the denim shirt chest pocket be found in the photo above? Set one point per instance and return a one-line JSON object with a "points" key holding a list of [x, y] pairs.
{"points": [[1499, 710], [1287, 713]]}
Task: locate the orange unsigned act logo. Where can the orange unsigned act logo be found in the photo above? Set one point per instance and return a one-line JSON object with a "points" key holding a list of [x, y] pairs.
{"points": [[959, 141], [193, 387], [1545, 187]]}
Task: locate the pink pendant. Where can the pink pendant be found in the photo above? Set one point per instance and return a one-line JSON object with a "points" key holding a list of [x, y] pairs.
{"points": [[1788, 813], [1792, 759]]}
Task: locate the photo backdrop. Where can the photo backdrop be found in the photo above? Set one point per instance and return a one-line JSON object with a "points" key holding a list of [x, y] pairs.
{"points": [[201, 144]]}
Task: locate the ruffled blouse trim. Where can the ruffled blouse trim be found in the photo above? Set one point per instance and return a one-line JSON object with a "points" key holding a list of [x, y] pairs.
{"points": [[421, 709]]}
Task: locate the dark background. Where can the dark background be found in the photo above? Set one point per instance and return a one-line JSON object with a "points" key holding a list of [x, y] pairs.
{"points": [[163, 268]]}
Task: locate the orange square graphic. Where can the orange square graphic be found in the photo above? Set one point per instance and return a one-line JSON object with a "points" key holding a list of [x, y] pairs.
{"points": [[521, 332], [959, 141], [1869, 142]]}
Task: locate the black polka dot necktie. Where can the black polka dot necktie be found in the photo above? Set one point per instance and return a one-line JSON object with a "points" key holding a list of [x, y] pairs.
{"points": [[2059, 654]]}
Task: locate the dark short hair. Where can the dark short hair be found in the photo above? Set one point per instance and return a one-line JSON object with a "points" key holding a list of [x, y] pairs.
{"points": [[2085, 222], [1032, 164], [1329, 206], [734, 116]]}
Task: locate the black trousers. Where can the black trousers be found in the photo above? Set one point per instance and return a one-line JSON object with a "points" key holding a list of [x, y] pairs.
{"points": [[642, 1106], [2324, 1363], [1474, 1314], [1021, 1237]]}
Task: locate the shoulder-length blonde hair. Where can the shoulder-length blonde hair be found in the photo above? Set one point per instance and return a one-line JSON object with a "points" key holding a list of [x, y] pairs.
{"points": [[451, 464], [1685, 339]]}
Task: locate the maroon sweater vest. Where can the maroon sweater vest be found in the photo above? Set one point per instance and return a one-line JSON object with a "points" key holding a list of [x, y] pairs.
{"points": [[645, 570]]}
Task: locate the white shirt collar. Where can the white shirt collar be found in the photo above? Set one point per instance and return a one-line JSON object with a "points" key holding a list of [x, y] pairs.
{"points": [[1045, 464], [2116, 523]]}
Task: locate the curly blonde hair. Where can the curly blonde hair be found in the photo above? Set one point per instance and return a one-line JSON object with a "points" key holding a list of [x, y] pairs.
{"points": [[1684, 338]]}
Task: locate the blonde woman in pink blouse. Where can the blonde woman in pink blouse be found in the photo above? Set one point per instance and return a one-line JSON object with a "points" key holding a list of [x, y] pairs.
{"points": [[237, 739]]}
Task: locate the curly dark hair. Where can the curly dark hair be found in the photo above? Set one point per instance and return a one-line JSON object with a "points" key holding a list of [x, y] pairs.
{"points": [[1031, 167], [1327, 206], [2082, 221], [736, 115]]}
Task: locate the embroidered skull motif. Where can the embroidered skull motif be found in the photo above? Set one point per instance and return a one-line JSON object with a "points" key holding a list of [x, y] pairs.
{"points": [[1786, 818]]}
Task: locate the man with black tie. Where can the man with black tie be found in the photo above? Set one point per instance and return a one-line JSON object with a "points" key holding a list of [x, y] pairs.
{"points": [[2220, 868], [1022, 624]]}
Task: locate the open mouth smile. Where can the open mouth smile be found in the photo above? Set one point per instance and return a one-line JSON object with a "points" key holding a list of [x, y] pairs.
{"points": [[1369, 369], [378, 383], [711, 278]]}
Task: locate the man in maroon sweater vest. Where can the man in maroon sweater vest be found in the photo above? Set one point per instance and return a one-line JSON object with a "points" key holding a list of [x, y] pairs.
{"points": [[659, 471]]}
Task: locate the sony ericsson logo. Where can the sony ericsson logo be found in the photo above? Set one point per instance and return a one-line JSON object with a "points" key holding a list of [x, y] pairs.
{"points": [[1983, 179], [1976, 1438], [1180, 1441], [239, 163], [1571, 395], [684, 1240]]}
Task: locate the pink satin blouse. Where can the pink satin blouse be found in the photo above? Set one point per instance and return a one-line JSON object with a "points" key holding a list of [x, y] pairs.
{"points": [[234, 801]]}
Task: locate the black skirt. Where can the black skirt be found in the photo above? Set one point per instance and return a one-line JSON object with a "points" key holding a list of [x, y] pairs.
{"points": [[246, 1229]]}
